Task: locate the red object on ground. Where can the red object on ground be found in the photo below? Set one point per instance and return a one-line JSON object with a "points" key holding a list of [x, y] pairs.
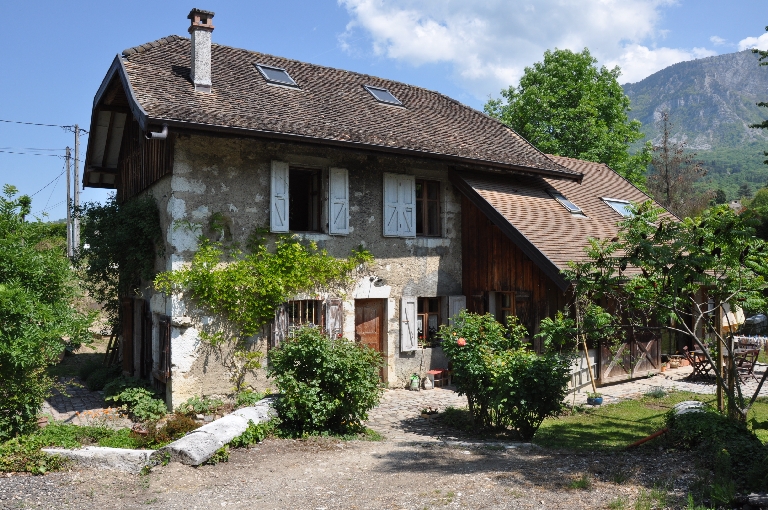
{"points": [[646, 439]]}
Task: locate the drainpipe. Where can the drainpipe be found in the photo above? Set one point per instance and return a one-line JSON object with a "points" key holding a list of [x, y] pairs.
{"points": [[162, 135]]}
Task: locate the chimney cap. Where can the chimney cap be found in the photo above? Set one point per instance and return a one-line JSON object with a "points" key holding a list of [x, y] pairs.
{"points": [[191, 15]]}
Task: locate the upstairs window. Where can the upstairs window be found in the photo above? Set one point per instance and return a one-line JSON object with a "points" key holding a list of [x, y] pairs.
{"points": [[620, 206], [428, 208], [572, 208], [276, 75], [304, 203], [383, 95]]}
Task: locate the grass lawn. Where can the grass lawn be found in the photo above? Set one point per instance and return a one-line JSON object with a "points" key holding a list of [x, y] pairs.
{"points": [[613, 426]]}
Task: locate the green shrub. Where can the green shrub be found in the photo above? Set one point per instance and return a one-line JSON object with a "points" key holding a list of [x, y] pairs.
{"points": [[37, 289], [123, 438], [506, 384], [199, 405], [247, 398], [221, 455], [177, 426], [733, 452], [135, 398], [326, 384], [255, 433]]}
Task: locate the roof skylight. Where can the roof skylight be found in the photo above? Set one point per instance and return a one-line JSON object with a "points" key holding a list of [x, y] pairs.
{"points": [[620, 206], [276, 75], [383, 95], [572, 208]]}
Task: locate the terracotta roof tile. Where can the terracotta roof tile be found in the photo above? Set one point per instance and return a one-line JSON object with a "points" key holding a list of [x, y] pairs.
{"points": [[554, 231], [330, 104]]}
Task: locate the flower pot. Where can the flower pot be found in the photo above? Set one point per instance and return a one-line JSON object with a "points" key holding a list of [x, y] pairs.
{"points": [[594, 401], [663, 368], [674, 364]]}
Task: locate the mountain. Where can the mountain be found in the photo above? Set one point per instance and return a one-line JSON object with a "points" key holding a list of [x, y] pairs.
{"points": [[711, 103]]}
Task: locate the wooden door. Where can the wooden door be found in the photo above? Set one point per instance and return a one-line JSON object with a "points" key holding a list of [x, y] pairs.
{"points": [[369, 322]]}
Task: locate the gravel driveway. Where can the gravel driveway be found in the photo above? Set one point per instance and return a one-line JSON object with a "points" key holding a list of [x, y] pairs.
{"points": [[330, 474]]}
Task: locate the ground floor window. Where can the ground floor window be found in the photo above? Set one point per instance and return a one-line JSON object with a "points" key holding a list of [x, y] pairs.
{"points": [[304, 312], [515, 304], [428, 323]]}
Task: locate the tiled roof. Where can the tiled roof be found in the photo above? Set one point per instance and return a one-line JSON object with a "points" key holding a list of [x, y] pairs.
{"points": [[330, 105], [558, 235]]}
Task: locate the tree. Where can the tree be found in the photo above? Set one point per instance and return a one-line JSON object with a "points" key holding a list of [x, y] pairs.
{"points": [[674, 173], [745, 191], [720, 197], [566, 106], [679, 275], [37, 291]]}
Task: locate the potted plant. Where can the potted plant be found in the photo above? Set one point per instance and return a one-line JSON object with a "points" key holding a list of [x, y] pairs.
{"points": [[428, 412], [664, 366], [594, 399]]}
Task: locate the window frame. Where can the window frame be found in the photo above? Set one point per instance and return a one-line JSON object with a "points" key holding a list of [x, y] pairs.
{"points": [[371, 88], [292, 84], [422, 319], [423, 203], [304, 306], [608, 201], [563, 201]]}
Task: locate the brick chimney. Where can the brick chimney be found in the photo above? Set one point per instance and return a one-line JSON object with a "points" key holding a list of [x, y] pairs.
{"points": [[200, 29]]}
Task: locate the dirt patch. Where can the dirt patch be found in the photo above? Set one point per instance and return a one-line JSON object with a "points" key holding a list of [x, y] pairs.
{"points": [[327, 473]]}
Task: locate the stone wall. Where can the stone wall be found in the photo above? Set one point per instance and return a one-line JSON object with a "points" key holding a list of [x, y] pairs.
{"points": [[231, 176]]}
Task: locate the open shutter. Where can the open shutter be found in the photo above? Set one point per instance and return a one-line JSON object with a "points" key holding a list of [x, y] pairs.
{"points": [[338, 201], [334, 325], [126, 323], [280, 326], [407, 224], [408, 319], [455, 305], [278, 207], [163, 373], [391, 204]]}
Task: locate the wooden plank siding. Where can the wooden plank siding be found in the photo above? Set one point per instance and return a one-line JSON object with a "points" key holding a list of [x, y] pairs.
{"points": [[142, 162], [491, 262]]}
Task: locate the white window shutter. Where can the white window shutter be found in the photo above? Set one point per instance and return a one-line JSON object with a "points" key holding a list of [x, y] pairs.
{"points": [[455, 305], [278, 210], [408, 324], [407, 226], [280, 326], [334, 324], [391, 204], [338, 201]]}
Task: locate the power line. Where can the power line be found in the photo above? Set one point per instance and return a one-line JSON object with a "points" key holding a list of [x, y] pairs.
{"points": [[54, 180], [51, 207], [32, 154], [30, 149], [54, 189], [69, 128]]}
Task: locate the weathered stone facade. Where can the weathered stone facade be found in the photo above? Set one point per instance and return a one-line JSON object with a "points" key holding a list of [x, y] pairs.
{"points": [[231, 176]]}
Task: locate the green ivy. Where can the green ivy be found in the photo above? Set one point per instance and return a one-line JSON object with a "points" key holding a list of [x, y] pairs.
{"points": [[245, 289]]}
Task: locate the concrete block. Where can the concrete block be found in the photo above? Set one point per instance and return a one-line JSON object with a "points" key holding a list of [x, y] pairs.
{"points": [[99, 457]]}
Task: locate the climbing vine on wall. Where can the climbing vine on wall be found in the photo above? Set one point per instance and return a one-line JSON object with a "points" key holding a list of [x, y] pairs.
{"points": [[246, 288]]}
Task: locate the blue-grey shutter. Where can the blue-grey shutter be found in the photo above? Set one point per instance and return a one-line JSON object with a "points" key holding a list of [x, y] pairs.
{"points": [[278, 207], [408, 312], [455, 305], [338, 201], [407, 224], [391, 204]]}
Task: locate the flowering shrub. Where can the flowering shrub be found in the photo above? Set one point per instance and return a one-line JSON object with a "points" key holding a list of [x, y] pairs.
{"points": [[507, 385]]}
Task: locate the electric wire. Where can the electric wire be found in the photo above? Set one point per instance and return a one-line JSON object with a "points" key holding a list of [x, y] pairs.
{"points": [[54, 180], [32, 154], [54, 188], [69, 128]]}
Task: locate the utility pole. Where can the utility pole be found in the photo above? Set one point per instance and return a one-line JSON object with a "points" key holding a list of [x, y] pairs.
{"points": [[69, 210], [76, 222]]}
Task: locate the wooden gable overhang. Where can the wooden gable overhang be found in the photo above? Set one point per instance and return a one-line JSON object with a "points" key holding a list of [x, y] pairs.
{"points": [[547, 266], [119, 156]]}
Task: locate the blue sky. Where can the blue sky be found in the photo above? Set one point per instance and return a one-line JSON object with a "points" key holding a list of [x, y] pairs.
{"points": [[53, 55]]}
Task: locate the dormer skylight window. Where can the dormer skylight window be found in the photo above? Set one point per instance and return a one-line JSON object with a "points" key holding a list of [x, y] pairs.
{"points": [[276, 75], [383, 95], [572, 208], [620, 206]]}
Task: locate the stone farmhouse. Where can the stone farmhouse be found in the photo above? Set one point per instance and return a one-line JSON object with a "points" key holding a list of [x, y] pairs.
{"points": [[458, 210]]}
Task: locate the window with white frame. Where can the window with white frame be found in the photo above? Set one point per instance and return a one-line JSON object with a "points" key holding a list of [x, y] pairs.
{"points": [[622, 207]]}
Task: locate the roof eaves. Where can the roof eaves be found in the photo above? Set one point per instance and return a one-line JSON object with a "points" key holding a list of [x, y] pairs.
{"points": [[526, 246]]}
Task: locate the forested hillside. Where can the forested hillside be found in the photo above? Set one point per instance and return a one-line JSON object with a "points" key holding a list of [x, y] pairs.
{"points": [[712, 102]]}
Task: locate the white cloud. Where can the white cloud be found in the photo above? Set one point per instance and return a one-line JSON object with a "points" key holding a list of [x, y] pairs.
{"points": [[761, 43], [717, 41], [638, 61], [489, 42]]}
